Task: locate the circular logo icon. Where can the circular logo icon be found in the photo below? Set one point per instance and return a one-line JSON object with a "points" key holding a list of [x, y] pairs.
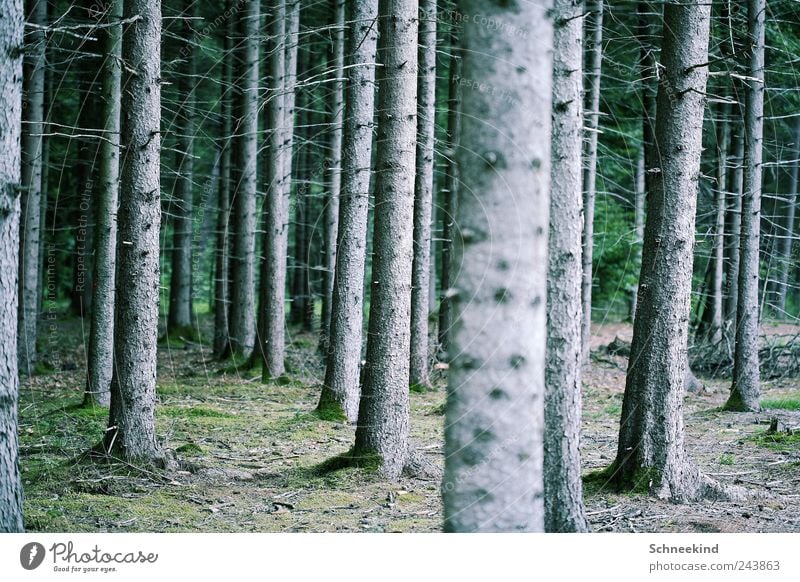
{"points": [[31, 555]]}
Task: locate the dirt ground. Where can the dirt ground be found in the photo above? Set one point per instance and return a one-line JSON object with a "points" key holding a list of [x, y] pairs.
{"points": [[250, 453]]}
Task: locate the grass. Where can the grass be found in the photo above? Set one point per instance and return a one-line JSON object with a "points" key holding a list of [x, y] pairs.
{"points": [[778, 441], [781, 403], [726, 460]]}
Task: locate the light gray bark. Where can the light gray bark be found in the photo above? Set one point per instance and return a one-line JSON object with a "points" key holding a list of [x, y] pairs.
{"points": [[494, 426], [131, 429], [340, 391], [718, 257], [640, 195], [594, 60], [333, 174], [243, 222], [179, 317], [30, 227], [11, 49], [563, 503], [651, 440], [423, 196], [733, 234], [383, 415], [745, 390], [101, 338], [787, 234]]}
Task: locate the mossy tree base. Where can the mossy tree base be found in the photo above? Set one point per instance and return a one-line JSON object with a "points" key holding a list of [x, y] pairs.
{"points": [[416, 465]]}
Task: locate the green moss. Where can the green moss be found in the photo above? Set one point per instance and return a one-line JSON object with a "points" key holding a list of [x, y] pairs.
{"points": [[781, 403], [611, 479], [420, 388], [192, 412], [778, 441], [190, 449], [726, 460], [369, 461], [330, 412]]}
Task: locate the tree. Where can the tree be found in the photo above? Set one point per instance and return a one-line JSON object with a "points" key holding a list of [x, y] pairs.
{"points": [[594, 60], [333, 177], [179, 317], [563, 502], [495, 407], [340, 391], [650, 449], [30, 228], [11, 50], [101, 338], [733, 232], [131, 426], [745, 390], [383, 414], [243, 222], [423, 196], [718, 259]]}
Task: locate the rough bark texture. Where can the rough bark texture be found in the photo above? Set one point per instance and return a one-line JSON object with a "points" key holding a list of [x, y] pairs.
{"points": [[651, 450], [449, 195], [745, 390], [11, 48], [423, 196], [30, 227], [101, 338], [243, 223], [594, 60], [564, 511], [340, 392], [733, 234], [383, 415], [333, 174], [718, 257], [131, 429], [494, 425], [787, 233], [640, 195], [179, 317]]}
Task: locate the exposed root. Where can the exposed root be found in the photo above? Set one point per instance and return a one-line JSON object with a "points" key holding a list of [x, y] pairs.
{"points": [[419, 467]]}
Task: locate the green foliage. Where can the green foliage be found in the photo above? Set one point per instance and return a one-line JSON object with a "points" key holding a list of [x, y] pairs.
{"points": [[781, 403]]}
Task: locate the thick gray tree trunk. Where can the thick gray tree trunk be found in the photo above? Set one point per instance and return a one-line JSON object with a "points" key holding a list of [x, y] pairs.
{"points": [[30, 226], [733, 234], [333, 173], [243, 222], [179, 317], [340, 391], [718, 256], [131, 428], [423, 197], [494, 425], [787, 234], [563, 487], [594, 61], [383, 415], [101, 338], [651, 441], [11, 50], [745, 390]]}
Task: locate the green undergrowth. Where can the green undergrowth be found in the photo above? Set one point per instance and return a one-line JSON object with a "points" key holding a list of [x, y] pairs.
{"points": [[781, 403], [778, 441]]}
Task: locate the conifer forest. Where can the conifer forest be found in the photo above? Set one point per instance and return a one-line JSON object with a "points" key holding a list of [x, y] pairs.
{"points": [[399, 266]]}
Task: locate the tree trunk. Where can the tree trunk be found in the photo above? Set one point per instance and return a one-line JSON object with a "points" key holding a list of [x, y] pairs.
{"points": [[301, 181], [30, 227], [733, 230], [449, 195], [222, 286], [745, 390], [242, 313], [179, 318], [718, 257], [383, 415], [651, 450], [131, 427], [340, 391], [495, 407], [594, 60], [640, 195], [11, 51], [563, 487], [101, 338], [423, 197], [333, 174], [786, 240]]}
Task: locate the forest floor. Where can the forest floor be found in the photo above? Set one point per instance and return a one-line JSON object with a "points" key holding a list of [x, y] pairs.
{"points": [[249, 453]]}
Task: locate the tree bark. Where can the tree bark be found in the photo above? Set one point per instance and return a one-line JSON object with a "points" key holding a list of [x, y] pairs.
{"points": [[131, 427], [745, 390], [423, 197], [563, 488], [30, 227], [179, 317], [333, 174], [242, 313], [640, 195], [733, 234], [11, 73], [101, 338], [651, 440], [594, 60], [494, 425], [718, 257], [383, 415], [340, 391], [786, 240]]}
